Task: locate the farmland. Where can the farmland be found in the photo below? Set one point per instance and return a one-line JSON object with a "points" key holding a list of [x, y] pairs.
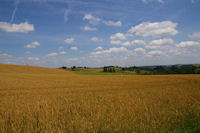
{"points": [[36, 99]]}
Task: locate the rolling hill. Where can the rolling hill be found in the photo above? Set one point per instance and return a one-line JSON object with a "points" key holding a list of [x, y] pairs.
{"points": [[37, 99]]}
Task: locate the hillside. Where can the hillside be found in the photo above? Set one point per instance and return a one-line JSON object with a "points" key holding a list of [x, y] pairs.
{"points": [[36, 99], [5, 68]]}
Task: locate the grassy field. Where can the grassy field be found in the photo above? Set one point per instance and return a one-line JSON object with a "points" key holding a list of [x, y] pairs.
{"points": [[44, 100]]}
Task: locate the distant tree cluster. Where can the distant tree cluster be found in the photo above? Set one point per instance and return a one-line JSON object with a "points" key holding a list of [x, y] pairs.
{"points": [[174, 69], [63, 67], [73, 68], [109, 69]]}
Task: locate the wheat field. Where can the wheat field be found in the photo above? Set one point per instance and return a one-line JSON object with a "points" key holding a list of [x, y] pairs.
{"points": [[44, 100]]}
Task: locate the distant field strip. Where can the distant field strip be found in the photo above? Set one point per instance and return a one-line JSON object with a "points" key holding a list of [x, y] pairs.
{"points": [[44, 100]]}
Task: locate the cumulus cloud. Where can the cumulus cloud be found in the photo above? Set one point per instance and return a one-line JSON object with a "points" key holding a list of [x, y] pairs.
{"points": [[164, 41], [110, 50], [185, 44], [69, 40], [74, 48], [115, 42], [5, 58], [142, 50], [88, 28], [73, 59], [155, 29], [33, 58], [4, 55], [127, 43], [154, 53], [96, 39], [160, 44], [177, 51], [99, 48], [118, 36], [195, 35], [113, 23], [52, 54], [128, 34], [153, 47], [32, 45], [91, 18], [24, 27], [138, 42], [62, 52]]}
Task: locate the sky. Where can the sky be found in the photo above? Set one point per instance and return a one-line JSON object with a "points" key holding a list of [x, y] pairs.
{"points": [[96, 33]]}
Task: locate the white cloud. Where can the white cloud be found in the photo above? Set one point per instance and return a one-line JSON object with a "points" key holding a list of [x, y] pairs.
{"points": [[165, 41], [195, 35], [62, 52], [52, 54], [69, 40], [128, 34], [32, 45], [155, 29], [24, 27], [73, 59], [88, 28], [115, 42], [139, 50], [74, 48], [118, 36], [113, 23], [146, 1], [111, 50], [96, 39], [154, 53], [188, 44], [99, 48], [91, 18], [138, 42], [66, 13], [4, 55], [153, 47], [177, 51], [14, 11], [6, 58], [33, 58], [127, 43], [160, 44]]}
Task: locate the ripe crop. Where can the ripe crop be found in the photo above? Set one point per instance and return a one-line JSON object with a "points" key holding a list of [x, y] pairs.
{"points": [[35, 99]]}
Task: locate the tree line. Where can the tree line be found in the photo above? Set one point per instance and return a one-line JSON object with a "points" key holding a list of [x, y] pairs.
{"points": [[173, 69]]}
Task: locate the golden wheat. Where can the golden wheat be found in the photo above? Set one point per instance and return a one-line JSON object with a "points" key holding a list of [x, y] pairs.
{"points": [[35, 99]]}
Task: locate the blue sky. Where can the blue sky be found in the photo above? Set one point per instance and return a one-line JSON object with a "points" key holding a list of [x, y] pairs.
{"points": [[95, 33]]}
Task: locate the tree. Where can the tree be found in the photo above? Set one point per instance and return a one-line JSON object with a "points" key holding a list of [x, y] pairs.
{"points": [[73, 68], [113, 69], [105, 69], [64, 67], [108, 69]]}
